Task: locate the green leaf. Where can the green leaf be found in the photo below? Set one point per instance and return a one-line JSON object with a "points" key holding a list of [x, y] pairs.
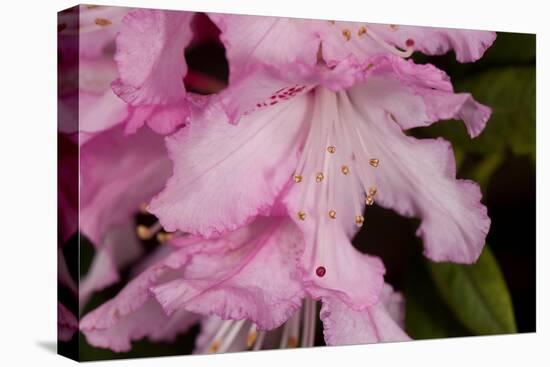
{"points": [[510, 92], [427, 316], [477, 294]]}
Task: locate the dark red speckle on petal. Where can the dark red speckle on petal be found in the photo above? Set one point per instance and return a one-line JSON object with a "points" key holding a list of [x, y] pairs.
{"points": [[320, 271]]}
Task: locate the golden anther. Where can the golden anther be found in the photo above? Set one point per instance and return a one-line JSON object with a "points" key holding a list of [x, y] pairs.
{"points": [[332, 214], [372, 191], [163, 237], [369, 200], [302, 215], [345, 170], [393, 27], [374, 162], [297, 178], [214, 347], [319, 177], [347, 34], [102, 22], [359, 220], [292, 342], [143, 232], [331, 149], [251, 338], [362, 31]]}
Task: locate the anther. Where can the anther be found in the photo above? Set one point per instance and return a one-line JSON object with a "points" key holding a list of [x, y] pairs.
{"points": [[369, 200], [292, 342], [251, 338], [345, 170], [143, 232], [102, 22], [163, 237], [362, 31], [359, 220], [320, 271], [372, 191], [319, 177], [214, 347], [374, 162], [347, 34], [297, 178], [331, 149], [393, 27], [332, 214], [302, 215]]}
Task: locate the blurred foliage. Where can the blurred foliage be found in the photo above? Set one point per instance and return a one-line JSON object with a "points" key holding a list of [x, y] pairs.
{"points": [[476, 294]]}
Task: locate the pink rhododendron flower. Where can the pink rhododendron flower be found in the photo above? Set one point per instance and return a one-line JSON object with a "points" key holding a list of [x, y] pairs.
{"points": [[328, 140], [87, 75], [272, 176], [250, 274]]}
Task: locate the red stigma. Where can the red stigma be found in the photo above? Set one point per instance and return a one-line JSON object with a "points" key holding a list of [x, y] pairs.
{"points": [[409, 43], [320, 271]]}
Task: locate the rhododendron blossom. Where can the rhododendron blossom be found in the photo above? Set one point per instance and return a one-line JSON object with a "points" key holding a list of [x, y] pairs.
{"points": [[272, 175]]}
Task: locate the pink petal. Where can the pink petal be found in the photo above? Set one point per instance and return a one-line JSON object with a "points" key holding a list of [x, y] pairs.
{"points": [[224, 175], [67, 324], [120, 248], [417, 95], [149, 320], [418, 178], [133, 314], [344, 326], [468, 45], [118, 173], [150, 56], [276, 41], [252, 273]]}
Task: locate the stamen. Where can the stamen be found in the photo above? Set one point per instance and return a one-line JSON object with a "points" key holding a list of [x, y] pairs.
{"points": [[393, 27], [102, 22], [331, 149], [226, 343], [163, 237], [146, 233], [369, 200], [252, 336], [362, 31], [374, 162], [332, 214], [345, 170], [372, 191], [259, 340], [301, 215], [215, 345], [319, 177], [359, 220], [297, 178], [406, 53], [347, 34]]}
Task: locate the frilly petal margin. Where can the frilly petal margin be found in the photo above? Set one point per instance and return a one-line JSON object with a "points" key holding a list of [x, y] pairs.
{"points": [[382, 322], [224, 175], [418, 178], [133, 313], [258, 279], [427, 90]]}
